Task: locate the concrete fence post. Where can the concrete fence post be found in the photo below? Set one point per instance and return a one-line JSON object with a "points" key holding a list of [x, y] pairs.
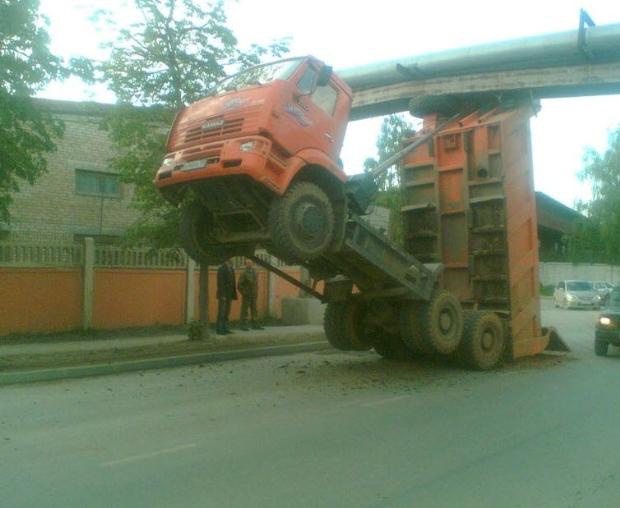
{"points": [[88, 288], [190, 290]]}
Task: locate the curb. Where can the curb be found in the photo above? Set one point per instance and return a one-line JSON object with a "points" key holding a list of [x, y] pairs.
{"points": [[35, 376]]}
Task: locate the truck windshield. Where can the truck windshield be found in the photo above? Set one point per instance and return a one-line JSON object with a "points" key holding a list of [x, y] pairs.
{"points": [[578, 285], [258, 75]]}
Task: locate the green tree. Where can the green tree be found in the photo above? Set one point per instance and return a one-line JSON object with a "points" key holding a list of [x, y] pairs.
{"points": [[597, 238], [26, 66], [171, 57], [394, 130]]}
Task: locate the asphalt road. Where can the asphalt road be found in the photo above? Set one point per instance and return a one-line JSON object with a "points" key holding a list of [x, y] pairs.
{"points": [[323, 429]]}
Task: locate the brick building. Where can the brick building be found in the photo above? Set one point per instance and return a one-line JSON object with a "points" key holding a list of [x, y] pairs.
{"points": [[79, 195]]}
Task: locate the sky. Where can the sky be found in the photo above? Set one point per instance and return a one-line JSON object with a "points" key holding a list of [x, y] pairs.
{"points": [[350, 33]]}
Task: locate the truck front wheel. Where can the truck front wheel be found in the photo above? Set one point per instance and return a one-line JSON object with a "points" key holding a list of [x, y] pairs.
{"points": [[197, 239], [302, 221]]}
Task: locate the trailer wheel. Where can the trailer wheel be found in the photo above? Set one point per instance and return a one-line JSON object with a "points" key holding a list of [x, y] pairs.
{"points": [[439, 323], [483, 341], [302, 222], [196, 235]]}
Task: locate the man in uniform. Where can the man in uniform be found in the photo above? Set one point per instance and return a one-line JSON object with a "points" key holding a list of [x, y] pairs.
{"points": [[226, 293], [248, 287]]}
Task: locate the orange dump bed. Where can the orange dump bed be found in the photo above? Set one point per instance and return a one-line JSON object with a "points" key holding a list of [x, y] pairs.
{"points": [[468, 202]]}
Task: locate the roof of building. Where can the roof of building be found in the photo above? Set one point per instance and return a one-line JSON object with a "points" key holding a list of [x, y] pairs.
{"points": [[555, 215]]}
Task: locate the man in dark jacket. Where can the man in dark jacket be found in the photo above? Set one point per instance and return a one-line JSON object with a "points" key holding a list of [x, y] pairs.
{"points": [[226, 293], [248, 287]]}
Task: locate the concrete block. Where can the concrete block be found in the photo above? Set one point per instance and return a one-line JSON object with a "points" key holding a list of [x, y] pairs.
{"points": [[302, 311]]}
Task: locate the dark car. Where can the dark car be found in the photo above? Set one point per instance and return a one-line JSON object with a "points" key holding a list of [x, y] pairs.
{"points": [[608, 324]]}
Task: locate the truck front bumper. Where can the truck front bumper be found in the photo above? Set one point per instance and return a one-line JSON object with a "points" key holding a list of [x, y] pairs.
{"points": [[250, 155]]}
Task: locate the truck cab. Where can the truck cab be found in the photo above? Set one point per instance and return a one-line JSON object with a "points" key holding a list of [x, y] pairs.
{"points": [[234, 157]]}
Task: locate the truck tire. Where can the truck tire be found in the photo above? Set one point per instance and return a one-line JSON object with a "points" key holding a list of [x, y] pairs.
{"points": [[345, 327], [436, 325], [600, 347], [302, 221], [391, 347], [483, 341], [355, 329], [410, 329], [195, 233], [332, 325]]}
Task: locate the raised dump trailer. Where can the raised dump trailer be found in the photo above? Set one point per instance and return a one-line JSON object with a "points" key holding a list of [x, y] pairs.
{"points": [[468, 202]]}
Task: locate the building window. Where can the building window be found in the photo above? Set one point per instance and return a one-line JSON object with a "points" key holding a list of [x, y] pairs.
{"points": [[97, 183]]}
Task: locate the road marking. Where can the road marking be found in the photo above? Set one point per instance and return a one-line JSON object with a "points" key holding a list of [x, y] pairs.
{"points": [[380, 402], [135, 458]]}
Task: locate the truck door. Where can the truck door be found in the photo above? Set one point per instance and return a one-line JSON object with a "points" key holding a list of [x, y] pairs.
{"points": [[320, 107]]}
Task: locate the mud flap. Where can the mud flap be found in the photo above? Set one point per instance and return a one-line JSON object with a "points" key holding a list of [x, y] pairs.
{"points": [[556, 343], [550, 340]]}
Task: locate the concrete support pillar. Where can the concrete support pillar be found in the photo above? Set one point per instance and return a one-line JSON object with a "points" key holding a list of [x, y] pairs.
{"points": [[88, 278], [190, 290]]}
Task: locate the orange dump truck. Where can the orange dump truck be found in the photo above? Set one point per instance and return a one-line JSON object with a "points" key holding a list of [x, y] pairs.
{"points": [[255, 163]]}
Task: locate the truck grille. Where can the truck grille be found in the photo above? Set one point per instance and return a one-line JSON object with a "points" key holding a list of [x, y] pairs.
{"points": [[198, 134]]}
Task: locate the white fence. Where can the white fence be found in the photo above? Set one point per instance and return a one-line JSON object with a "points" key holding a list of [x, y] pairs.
{"points": [[552, 272]]}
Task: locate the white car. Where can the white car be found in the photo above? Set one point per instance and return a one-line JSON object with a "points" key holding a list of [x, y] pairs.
{"points": [[576, 294], [603, 289]]}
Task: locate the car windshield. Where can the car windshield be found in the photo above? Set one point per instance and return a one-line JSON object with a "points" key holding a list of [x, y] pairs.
{"points": [[578, 285], [258, 75]]}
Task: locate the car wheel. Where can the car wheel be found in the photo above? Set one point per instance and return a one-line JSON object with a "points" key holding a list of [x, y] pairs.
{"points": [[600, 347]]}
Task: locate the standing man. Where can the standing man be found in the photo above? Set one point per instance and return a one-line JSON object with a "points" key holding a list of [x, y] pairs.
{"points": [[248, 287], [226, 293]]}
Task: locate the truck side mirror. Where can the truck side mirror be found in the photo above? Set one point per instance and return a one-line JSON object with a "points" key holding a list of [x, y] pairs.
{"points": [[324, 75]]}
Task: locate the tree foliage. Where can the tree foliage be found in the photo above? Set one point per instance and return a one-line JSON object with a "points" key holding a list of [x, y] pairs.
{"points": [[26, 65], [394, 130], [597, 237], [171, 57]]}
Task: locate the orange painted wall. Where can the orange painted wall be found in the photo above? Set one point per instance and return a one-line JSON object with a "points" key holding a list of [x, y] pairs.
{"points": [[40, 300], [133, 297], [283, 289]]}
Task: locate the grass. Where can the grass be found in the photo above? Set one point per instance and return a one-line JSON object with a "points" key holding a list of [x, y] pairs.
{"points": [[547, 290]]}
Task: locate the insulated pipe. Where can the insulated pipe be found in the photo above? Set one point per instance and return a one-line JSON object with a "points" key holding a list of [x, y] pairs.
{"points": [[601, 44]]}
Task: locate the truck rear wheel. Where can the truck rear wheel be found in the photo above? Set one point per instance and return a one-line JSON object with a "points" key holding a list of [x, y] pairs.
{"points": [[196, 235], [391, 347], [483, 341], [435, 326], [302, 221], [345, 326], [410, 329]]}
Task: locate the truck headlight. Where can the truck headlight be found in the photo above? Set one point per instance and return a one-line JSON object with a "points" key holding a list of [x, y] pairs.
{"points": [[254, 145], [570, 297], [604, 321], [247, 146], [168, 161]]}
